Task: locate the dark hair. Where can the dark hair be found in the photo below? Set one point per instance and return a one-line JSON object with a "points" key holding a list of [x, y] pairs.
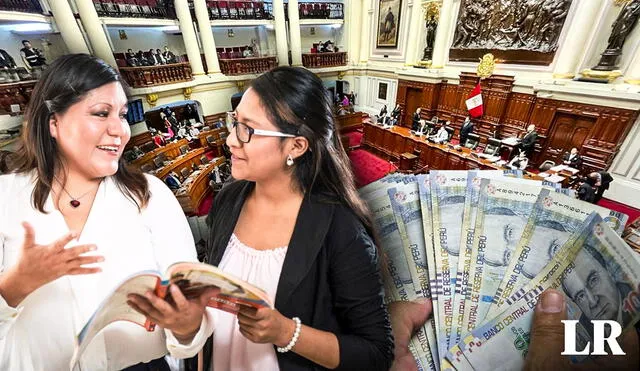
{"points": [[297, 103], [26, 41], [64, 83]]}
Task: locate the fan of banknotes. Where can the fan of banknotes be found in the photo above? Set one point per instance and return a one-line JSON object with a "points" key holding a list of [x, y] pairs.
{"points": [[483, 245]]}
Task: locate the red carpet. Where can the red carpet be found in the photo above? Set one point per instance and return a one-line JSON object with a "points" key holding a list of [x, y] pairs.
{"points": [[367, 167], [355, 138], [613, 205]]}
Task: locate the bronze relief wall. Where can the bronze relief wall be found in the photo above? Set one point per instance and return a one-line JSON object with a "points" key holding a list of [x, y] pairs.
{"points": [[514, 31]]}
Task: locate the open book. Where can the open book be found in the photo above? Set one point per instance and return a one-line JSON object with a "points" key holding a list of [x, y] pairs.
{"points": [[192, 278]]}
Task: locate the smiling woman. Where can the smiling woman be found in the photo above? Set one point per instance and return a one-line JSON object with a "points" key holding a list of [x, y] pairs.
{"points": [[68, 194]]}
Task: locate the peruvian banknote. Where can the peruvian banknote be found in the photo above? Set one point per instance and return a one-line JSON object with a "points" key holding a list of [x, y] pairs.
{"points": [[405, 201], [502, 213], [555, 217], [448, 190], [600, 278]]}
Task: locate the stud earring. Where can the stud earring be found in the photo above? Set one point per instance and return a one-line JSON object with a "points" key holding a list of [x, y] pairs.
{"points": [[289, 160]]}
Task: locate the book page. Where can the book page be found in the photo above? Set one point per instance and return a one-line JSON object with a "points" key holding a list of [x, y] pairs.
{"points": [[115, 308], [194, 278]]}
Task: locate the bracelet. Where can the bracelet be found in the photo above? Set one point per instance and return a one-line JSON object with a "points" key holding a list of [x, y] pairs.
{"points": [[294, 339]]}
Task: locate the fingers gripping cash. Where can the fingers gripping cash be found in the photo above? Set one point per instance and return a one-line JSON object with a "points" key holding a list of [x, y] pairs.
{"points": [[484, 270]]}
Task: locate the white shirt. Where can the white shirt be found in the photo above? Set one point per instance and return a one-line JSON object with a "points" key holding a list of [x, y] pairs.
{"points": [[231, 350], [39, 334], [442, 135]]}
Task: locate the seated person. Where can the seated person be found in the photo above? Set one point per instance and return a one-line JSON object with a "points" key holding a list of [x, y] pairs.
{"points": [[182, 131], [519, 162], [137, 152], [193, 131], [587, 190], [158, 139], [573, 159], [441, 136], [341, 110], [219, 124], [395, 114], [173, 181]]}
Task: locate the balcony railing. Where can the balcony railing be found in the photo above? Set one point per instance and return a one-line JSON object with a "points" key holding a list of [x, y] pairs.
{"points": [[243, 66], [317, 10], [135, 8], [27, 6], [142, 77], [14, 97], [239, 10], [321, 60]]}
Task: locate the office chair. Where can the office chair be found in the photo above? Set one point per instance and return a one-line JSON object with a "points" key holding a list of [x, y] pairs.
{"points": [[204, 160], [184, 149], [184, 173], [472, 141], [493, 147], [158, 161], [546, 165]]}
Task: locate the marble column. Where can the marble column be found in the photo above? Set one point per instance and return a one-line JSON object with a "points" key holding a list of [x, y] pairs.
{"points": [[443, 37], [95, 32], [206, 36], [294, 33], [570, 53], [632, 75], [365, 31], [352, 26], [282, 49], [415, 29], [189, 36], [69, 30]]}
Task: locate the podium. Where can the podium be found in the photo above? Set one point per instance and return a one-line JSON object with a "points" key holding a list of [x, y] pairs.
{"points": [[407, 162]]}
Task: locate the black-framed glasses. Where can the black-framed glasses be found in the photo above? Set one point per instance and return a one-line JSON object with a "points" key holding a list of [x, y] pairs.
{"points": [[245, 132]]}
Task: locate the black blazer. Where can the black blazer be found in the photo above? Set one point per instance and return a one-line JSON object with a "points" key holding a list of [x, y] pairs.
{"points": [[529, 141], [587, 193], [575, 162], [330, 279], [465, 131], [605, 179]]}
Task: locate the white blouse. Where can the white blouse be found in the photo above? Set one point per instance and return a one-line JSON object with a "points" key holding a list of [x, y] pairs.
{"points": [[39, 334], [231, 350]]}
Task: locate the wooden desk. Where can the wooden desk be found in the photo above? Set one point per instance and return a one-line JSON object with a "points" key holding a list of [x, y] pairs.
{"points": [[349, 122], [171, 150], [197, 187], [180, 162], [391, 143]]}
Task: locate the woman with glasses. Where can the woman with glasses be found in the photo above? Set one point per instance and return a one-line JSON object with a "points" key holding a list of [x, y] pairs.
{"points": [[292, 223]]}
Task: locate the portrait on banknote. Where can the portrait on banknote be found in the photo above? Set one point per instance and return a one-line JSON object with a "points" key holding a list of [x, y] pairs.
{"points": [[451, 210], [548, 236], [503, 227]]}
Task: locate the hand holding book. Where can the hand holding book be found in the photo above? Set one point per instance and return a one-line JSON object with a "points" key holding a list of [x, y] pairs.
{"points": [[180, 312]]}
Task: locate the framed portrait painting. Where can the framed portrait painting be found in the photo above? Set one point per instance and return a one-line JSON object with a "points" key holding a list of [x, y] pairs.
{"points": [[388, 23]]}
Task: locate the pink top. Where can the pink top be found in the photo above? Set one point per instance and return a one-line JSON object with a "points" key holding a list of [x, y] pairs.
{"points": [[231, 350]]}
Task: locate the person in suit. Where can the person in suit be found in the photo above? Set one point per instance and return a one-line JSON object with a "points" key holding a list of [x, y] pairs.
{"points": [[415, 121], [442, 135], [519, 162], [317, 261], [528, 142], [465, 130], [573, 159], [587, 191], [602, 180]]}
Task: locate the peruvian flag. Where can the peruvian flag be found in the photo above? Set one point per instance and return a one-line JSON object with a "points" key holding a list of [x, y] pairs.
{"points": [[474, 102]]}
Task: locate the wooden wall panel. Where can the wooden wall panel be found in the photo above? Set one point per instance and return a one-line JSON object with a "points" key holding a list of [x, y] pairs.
{"points": [[508, 114]]}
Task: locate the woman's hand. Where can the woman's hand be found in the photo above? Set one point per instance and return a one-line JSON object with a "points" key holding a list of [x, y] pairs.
{"points": [[547, 341], [406, 318], [183, 318], [41, 264], [265, 325]]}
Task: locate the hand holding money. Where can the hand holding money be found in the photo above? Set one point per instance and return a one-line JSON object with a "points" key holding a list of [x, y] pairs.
{"points": [[547, 341], [406, 318]]}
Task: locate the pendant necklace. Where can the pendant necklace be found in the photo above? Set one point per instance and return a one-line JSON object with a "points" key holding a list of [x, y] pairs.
{"points": [[75, 201]]}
